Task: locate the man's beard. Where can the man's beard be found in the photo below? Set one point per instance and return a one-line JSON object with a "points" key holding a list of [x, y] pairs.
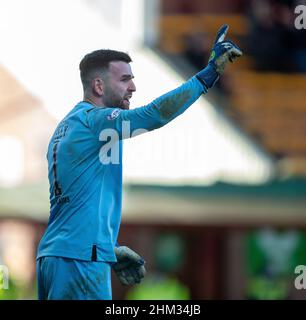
{"points": [[113, 101]]}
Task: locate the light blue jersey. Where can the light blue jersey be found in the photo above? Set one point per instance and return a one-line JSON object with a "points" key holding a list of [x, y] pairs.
{"points": [[85, 172]]}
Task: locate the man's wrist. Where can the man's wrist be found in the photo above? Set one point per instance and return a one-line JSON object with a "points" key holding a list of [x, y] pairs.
{"points": [[208, 76]]}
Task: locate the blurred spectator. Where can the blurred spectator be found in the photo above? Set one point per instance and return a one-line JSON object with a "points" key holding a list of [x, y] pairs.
{"points": [[299, 52], [271, 39], [196, 50], [299, 43]]}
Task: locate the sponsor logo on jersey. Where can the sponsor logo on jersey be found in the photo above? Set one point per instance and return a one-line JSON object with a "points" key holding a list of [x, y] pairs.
{"points": [[113, 115]]}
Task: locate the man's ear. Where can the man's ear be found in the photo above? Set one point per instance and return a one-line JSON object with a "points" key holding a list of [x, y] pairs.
{"points": [[98, 86]]}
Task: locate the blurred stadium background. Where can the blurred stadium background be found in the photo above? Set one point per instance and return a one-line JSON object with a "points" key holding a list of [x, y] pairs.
{"points": [[215, 201]]}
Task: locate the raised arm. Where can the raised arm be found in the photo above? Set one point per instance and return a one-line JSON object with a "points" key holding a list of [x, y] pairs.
{"points": [[170, 105]]}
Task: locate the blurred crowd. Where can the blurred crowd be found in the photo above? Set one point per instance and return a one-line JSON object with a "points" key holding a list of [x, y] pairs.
{"points": [[272, 41]]}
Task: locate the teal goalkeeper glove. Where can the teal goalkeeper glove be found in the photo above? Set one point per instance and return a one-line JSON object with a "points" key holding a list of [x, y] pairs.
{"points": [[129, 267], [222, 52]]}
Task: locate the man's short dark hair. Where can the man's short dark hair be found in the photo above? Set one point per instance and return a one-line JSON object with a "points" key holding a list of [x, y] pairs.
{"points": [[99, 61]]}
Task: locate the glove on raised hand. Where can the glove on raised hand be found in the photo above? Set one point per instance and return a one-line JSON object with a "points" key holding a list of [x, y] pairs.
{"points": [[222, 52]]}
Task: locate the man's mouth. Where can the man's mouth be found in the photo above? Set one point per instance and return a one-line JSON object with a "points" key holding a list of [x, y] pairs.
{"points": [[127, 99], [126, 102]]}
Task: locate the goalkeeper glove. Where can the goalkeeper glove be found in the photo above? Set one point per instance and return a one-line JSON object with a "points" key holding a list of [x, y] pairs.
{"points": [[222, 52], [129, 267]]}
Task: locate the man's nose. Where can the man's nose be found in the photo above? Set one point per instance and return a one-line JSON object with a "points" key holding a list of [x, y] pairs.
{"points": [[132, 86]]}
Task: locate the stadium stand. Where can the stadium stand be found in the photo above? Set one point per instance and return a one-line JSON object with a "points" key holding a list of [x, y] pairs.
{"points": [[269, 106]]}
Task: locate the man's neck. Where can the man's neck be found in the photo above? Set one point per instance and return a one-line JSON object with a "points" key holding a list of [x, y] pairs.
{"points": [[93, 101]]}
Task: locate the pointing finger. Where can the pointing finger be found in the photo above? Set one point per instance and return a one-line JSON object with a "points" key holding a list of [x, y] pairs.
{"points": [[221, 33]]}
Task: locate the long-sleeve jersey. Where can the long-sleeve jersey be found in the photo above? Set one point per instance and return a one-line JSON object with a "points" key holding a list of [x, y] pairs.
{"points": [[85, 172]]}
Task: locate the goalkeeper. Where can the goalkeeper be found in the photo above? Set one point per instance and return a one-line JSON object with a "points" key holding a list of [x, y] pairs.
{"points": [[79, 247]]}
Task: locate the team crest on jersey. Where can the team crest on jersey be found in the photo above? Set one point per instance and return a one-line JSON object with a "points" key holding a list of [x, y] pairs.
{"points": [[113, 115]]}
